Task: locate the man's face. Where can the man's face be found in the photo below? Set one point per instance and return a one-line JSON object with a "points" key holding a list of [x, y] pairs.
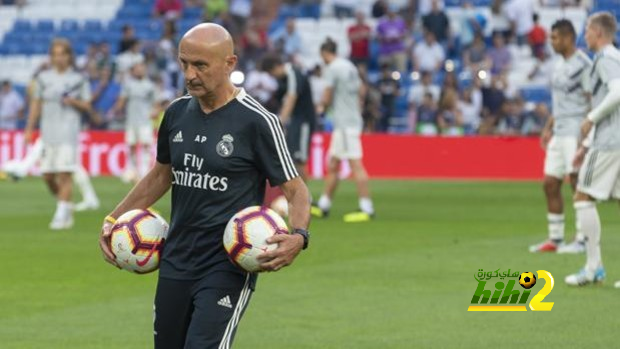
{"points": [[60, 57], [557, 41], [205, 68], [592, 33]]}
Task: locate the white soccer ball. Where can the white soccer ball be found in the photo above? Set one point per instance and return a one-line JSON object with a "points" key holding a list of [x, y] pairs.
{"points": [[246, 235], [137, 240]]}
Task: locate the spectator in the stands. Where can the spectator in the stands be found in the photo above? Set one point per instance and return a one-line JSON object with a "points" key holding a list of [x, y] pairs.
{"points": [[428, 54], [82, 61], [449, 117], [425, 117], [254, 43], [499, 22], [541, 73], [417, 92], [240, 11], [213, 8], [389, 87], [520, 13], [450, 81], [288, 41], [391, 34], [379, 9], [469, 25], [359, 36], [470, 106], [105, 92], [535, 120], [475, 56], [344, 8], [426, 6], [167, 55], [537, 38], [371, 102], [499, 55], [262, 86], [11, 106], [169, 9], [492, 100], [510, 121], [437, 22], [104, 57], [127, 59], [127, 38]]}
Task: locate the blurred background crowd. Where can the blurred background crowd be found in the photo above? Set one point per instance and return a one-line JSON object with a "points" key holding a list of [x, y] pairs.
{"points": [[430, 67]]}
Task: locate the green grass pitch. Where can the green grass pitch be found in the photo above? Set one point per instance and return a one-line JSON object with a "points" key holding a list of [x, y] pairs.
{"points": [[404, 280]]}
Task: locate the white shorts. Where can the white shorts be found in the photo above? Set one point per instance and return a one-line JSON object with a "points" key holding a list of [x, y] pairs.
{"points": [[346, 144], [139, 135], [599, 175], [59, 158], [559, 158]]}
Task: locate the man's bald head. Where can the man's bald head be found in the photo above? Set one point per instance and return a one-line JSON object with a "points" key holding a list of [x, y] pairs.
{"points": [[212, 36], [206, 54]]}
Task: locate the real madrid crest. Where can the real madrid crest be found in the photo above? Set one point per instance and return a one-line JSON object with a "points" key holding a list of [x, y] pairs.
{"points": [[225, 147]]}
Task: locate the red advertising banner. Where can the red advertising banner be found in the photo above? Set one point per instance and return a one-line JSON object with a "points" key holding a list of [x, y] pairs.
{"points": [[385, 156]]}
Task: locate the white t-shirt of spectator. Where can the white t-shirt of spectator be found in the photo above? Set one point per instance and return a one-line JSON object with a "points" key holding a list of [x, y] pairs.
{"points": [[126, 60], [417, 92], [520, 12], [260, 85], [10, 105], [428, 57], [241, 8]]}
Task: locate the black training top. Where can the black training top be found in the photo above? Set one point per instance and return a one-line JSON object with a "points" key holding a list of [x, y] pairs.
{"points": [[295, 81], [220, 162]]}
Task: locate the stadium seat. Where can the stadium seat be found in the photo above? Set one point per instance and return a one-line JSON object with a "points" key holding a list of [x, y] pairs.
{"points": [[69, 25], [192, 13], [22, 25], [45, 25], [92, 25]]}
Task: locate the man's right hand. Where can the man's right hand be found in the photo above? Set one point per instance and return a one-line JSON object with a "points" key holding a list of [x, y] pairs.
{"points": [[579, 157], [104, 243]]}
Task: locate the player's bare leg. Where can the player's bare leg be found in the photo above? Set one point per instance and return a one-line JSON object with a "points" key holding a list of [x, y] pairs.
{"points": [[89, 197], [552, 187], [131, 171], [365, 203], [63, 217], [331, 183], [52, 185], [585, 207]]}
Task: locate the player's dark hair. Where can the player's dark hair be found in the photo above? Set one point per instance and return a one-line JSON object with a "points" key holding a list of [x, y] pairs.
{"points": [[329, 46], [270, 61], [564, 27]]}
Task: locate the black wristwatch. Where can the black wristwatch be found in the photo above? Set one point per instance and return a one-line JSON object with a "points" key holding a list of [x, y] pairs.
{"points": [[305, 234]]}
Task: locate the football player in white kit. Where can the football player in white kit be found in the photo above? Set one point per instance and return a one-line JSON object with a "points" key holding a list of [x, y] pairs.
{"points": [[59, 95], [599, 176], [139, 99], [561, 134], [18, 169], [342, 101]]}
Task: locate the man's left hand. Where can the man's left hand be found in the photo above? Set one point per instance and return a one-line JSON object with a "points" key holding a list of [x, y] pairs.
{"points": [[289, 246], [586, 126]]}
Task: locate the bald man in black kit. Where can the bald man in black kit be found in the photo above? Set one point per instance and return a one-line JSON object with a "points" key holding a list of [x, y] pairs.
{"points": [[216, 148]]}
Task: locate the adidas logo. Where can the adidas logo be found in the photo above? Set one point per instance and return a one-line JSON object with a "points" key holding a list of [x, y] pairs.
{"points": [[178, 138], [225, 302]]}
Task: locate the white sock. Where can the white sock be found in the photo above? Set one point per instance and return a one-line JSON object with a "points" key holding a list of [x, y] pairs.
{"points": [[366, 205], [324, 203], [591, 225], [579, 235], [63, 210], [81, 178], [131, 161], [555, 223]]}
